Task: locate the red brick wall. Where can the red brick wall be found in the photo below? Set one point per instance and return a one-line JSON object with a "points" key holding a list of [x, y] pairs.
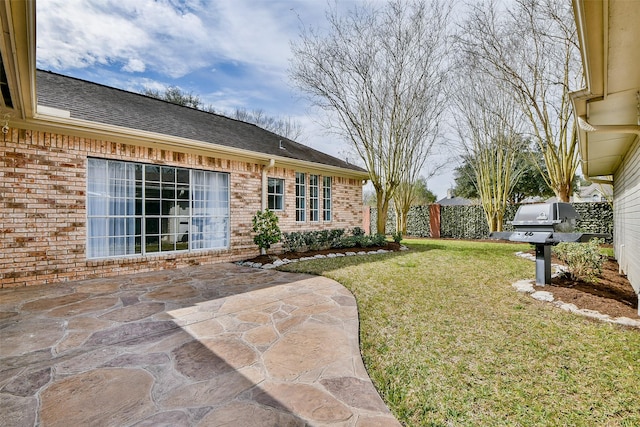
{"points": [[346, 195], [43, 207]]}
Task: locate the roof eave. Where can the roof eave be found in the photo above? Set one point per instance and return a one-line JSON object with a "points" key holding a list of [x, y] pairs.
{"points": [[590, 45], [19, 56], [603, 137], [100, 131]]}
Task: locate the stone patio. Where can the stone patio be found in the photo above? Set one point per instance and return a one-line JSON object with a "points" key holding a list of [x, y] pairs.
{"points": [[218, 345]]}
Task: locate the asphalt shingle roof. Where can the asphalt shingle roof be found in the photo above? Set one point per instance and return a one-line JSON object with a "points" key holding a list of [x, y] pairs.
{"points": [[102, 104], [454, 201]]}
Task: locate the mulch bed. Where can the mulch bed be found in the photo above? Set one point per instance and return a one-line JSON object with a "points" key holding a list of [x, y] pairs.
{"points": [[612, 294]]}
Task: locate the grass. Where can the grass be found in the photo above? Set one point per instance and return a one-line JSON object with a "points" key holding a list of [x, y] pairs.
{"points": [[447, 341], [607, 252]]}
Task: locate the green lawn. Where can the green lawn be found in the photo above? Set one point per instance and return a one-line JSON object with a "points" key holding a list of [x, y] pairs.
{"points": [[447, 341]]}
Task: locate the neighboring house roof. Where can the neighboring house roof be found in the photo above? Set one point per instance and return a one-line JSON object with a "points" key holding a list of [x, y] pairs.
{"points": [[532, 200], [590, 193], [595, 192], [607, 109], [454, 201], [102, 104]]}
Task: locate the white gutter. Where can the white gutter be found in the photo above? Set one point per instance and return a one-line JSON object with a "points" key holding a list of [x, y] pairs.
{"points": [[588, 127], [265, 179]]}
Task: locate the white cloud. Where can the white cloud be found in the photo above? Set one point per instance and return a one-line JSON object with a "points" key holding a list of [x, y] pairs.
{"points": [[78, 34], [134, 66], [168, 38]]}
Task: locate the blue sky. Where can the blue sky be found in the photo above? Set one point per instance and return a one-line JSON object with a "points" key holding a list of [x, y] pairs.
{"points": [[231, 53]]}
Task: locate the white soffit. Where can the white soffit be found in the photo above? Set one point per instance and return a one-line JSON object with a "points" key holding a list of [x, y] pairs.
{"points": [[612, 50]]}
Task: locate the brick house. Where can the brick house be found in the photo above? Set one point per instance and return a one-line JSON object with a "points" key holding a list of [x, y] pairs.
{"points": [[96, 181]]}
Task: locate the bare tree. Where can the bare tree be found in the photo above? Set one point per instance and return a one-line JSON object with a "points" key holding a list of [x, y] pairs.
{"points": [[379, 74], [487, 120], [282, 126], [406, 194], [530, 46], [175, 95], [286, 126]]}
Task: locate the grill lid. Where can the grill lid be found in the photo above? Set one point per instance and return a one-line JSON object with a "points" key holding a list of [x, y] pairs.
{"points": [[545, 217]]}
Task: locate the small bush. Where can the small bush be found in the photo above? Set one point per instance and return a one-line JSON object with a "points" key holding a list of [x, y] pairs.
{"points": [[397, 237], [379, 240], [584, 260], [302, 241], [372, 240], [293, 242], [316, 240], [357, 232], [265, 225], [335, 236], [349, 242]]}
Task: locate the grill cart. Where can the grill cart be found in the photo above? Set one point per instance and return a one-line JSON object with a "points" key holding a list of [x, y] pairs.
{"points": [[545, 225]]}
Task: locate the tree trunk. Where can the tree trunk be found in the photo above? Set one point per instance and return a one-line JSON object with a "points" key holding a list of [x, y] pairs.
{"points": [[491, 220], [383, 208], [398, 219], [405, 216], [564, 193], [499, 221]]}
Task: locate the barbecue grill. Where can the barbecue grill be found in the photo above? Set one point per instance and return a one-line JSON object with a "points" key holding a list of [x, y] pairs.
{"points": [[545, 225]]}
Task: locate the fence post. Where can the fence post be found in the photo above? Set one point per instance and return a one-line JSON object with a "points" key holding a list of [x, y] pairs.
{"points": [[366, 219], [434, 220]]}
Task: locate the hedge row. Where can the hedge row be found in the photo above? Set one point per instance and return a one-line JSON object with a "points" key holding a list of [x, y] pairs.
{"points": [[303, 241], [468, 222]]}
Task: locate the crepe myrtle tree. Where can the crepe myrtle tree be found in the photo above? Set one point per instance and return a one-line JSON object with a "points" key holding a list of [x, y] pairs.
{"points": [[410, 194], [531, 47], [530, 184], [487, 120], [379, 72], [265, 225]]}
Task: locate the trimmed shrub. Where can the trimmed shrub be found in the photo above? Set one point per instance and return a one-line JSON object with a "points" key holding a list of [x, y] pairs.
{"points": [[316, 240], [357, 232], [293, 242], [348, 242], [302, 241], [372, 240]]}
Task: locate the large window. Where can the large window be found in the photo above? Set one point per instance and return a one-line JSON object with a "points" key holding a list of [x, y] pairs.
{"points": [[326, 198], [275, 194], [301, 199], [314, 208], [141, 209]]}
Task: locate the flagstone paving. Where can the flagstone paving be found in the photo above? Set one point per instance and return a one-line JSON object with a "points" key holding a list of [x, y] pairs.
{"points": [[219, 345]]}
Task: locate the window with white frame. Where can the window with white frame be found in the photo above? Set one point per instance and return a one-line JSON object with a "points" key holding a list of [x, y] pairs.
{"points": [[134, 208], [301, 197], [275, 194], [314, 206], [326, 198]]}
